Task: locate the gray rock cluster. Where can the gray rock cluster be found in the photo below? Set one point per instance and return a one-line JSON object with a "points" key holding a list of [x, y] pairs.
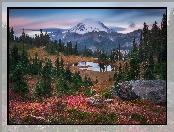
{"points": [[93, 101], [152, 90]]}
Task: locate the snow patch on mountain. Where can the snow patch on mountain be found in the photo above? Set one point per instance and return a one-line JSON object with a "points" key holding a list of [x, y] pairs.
{"points": [[93, 48], [88, 25]]}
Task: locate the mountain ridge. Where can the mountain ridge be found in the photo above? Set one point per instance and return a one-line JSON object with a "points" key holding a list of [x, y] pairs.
{"points": [[103, 37]]}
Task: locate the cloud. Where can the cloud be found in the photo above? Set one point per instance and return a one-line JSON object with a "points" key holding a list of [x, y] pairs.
{"points": [[22, 22], [132, 25], [118, 28]]}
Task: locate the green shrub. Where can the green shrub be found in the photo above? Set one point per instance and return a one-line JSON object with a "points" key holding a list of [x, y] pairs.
{"points": [[107, 94]]}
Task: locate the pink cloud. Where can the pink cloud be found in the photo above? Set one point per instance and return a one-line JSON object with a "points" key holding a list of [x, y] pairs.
{"points": [[22, 22], [66, 23]]}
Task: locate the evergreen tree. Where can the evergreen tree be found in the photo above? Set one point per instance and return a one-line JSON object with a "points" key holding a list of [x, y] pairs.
{"points": [[35, 68], [68, 75], [57, 64], [85, 51], [135, 48], [20, 85], [141, 50], [23, 36], [145, 41], [151, 66], [47, 38], [39, 89], [77, 80], [155, 37], [75, 49], [14, 57], [162, 55], [46, 75], [11, 35], [134, 62], [41, 38], [87, 83], [61, 64]]}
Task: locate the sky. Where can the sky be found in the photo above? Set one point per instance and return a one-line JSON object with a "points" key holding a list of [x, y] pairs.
{"points": [[122, 20]]}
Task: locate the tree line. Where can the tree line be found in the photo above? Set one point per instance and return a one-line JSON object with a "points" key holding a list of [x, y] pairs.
{"points": [[148, 59]]}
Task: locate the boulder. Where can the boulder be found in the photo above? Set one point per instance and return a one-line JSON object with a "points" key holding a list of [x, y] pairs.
{"points": [[152, 90], [125, 92]]}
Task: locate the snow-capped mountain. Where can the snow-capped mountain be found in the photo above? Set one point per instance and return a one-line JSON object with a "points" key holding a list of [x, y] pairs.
{"points": [[95, 35], [88, 25]]}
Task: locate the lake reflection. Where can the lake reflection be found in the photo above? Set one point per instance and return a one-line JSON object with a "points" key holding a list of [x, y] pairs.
{"points": [[94, 66]]}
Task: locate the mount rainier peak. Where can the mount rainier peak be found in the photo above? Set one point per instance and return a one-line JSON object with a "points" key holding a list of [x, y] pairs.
{"points": [[88, 25]]}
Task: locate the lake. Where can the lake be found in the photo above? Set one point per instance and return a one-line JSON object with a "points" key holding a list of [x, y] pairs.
{"points": [[94, 66]]}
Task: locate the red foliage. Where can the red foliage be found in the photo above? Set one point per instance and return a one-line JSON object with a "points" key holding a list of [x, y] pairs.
{"points": [[127, 112]]}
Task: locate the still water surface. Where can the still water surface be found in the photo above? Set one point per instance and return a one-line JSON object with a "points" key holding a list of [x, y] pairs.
{"points": [[94, 66]]}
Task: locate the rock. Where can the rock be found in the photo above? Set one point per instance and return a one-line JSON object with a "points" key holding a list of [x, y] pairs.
{"points": [[93, 101], [157, 96], [97, 95], [108, 100], [126, 93], [152, 90]]}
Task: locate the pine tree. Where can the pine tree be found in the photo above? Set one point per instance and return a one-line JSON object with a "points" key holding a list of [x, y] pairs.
{"points": [[11, 35], [57, 64], [85, 51], [155, 37], [162, 55], [135, 48], [145, 41], [75, 49], [20, 85], [134, 62], [61, 64], [47, 38], [87, 83], [46, 75], [14, 57], [151, 65], [145, 66], [41, 38], [68, 75], [23, 36], [35, 67], [77, 80]]}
